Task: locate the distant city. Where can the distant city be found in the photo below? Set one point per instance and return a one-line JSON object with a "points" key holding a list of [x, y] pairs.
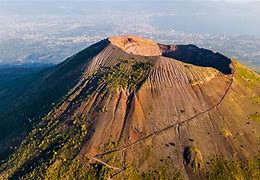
{"points": [[50, 34]]}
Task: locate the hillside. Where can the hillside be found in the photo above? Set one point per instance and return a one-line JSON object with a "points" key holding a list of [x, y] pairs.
{"points": [[28, 98], [131, 108]]}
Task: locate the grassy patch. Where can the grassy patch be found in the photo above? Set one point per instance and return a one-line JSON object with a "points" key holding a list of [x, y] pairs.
{"points": [[226, 132], [224, 169], [256, 99], [50, 141], [167, 171], [255, 117], [193, 158], [108, 146], [127, 76], [75, 170], [248, 77]]}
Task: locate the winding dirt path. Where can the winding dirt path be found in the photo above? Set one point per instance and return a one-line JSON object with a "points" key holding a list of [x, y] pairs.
{"points": [[104, 163], [166, 128]]}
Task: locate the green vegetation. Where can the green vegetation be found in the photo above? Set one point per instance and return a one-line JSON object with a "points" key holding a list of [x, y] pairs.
{"points": [[103, 109], [75, 170], [226, 132], [47, 146], [223, 169], [256, 99], [108, 146], [194, 82], [249, 78], [132, 173], [255, 117], [52, 150], [162, 174], [193, 158], [30, 96], [163, 171], [127, 76]]}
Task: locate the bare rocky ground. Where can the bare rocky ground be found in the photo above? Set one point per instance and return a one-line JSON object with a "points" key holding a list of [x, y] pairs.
{"points": [[145, 110]]}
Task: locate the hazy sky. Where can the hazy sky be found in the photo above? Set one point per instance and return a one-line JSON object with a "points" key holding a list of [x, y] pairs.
{"points": [[210, 16], [55, 29]]}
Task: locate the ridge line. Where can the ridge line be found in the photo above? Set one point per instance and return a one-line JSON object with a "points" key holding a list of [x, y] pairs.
{"points": [[173, 125]]}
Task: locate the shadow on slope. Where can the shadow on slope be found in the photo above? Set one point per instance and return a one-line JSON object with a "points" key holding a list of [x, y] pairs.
{"points": [[36, 95], [198, 56]]}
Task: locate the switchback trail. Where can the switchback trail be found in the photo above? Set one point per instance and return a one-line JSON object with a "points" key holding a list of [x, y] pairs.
{"points": [[171, 126], [104, 163]]}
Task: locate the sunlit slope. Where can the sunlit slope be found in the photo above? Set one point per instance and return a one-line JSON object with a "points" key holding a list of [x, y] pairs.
{"points": [[137, 116]]}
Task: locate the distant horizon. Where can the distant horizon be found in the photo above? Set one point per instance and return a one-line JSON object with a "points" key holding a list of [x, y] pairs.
{"points": [[129, 89], [36, 31]]}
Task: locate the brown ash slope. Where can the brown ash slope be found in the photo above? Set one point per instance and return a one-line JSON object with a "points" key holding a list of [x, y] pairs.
{"points": [[144, 109], [23, 105]]}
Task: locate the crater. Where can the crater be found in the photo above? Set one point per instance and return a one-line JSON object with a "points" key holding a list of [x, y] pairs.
{"points": [[136, 45], [197, 56], [185, 53]]}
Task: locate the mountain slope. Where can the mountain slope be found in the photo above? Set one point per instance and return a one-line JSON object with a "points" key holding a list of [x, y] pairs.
{"points": [[141, 109], [30, 98]]}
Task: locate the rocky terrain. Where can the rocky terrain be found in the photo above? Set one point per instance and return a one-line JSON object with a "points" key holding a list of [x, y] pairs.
{"points": [[131, 108]]}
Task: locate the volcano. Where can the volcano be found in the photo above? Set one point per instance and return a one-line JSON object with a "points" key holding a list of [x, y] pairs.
{"points": [[137, 109]]}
